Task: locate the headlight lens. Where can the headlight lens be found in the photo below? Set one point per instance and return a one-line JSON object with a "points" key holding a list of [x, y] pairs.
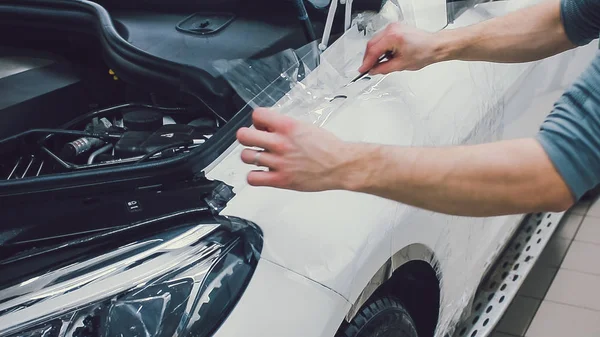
{"points": [[182, 282]]}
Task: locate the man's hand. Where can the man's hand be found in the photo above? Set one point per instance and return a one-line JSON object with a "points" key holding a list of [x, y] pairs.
{"points": [[529, 34], [412, 49], [299, 156]]}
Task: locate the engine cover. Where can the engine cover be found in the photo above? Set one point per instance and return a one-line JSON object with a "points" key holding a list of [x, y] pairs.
{"points": [[39, 90]]}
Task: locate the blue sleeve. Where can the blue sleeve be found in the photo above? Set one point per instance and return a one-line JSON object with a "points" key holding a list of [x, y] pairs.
{"points": [[581, 19], [570, 135]]}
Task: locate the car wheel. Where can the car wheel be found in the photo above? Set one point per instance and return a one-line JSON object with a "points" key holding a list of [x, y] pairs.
{"points": [[381, 317]]}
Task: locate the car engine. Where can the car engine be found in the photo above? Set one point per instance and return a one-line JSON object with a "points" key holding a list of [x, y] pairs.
{"points": [[127, 133]]}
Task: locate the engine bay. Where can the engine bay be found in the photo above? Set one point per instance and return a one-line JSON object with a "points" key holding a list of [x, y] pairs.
{"points": [[60, 117], [107, 137]]}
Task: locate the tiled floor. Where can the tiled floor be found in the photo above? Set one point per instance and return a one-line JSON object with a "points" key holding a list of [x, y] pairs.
{"points": [[561, 296]]}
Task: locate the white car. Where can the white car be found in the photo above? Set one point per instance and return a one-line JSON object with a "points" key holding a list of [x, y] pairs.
{"points": [[124, 241]]}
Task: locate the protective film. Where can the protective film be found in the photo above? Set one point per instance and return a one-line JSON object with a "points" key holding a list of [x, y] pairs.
{"points": [[344, 240], [304, 82]]}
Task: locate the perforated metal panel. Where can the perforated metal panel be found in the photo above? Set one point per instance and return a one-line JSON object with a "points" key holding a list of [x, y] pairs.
{"points": [[496, 294]]}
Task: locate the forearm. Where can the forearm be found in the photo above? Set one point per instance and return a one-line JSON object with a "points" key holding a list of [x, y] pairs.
{"points": [[525, 35], [483, 180]]}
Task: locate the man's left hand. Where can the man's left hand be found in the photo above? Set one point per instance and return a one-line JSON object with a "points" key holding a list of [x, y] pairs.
{"points": [[298, 155]]}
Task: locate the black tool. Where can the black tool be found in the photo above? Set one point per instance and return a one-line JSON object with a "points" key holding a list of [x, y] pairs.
{"points": [[388, 55]]}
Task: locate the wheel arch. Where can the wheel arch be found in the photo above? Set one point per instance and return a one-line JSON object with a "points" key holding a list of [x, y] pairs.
{"points": [[412, 275]]}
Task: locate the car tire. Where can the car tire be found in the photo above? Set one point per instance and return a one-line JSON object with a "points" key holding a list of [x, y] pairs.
{"points": [[381, 317]]}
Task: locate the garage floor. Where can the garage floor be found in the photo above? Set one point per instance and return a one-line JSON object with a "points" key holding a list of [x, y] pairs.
{"points": [[561, 296]]}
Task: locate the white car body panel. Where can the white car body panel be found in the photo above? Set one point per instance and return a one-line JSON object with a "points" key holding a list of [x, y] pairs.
{"points": [[340, 239], [279, 302]]}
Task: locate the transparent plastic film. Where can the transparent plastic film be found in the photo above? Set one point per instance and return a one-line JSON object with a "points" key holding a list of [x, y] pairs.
{"points": [[306, 83], [341, 239]]}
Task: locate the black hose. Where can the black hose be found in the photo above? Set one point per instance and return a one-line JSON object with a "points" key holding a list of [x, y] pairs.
{"points": [[303, 16]]}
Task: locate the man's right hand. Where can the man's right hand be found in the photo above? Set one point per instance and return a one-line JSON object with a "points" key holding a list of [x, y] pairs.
{"points": [[529, 34], [411, 47]]}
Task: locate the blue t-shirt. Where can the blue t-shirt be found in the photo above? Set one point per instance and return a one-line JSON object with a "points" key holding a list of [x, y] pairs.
{"points": [[570, 135]]}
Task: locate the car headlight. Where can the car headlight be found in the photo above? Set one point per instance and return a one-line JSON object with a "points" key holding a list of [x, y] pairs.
{"points": [[180, 282]]}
